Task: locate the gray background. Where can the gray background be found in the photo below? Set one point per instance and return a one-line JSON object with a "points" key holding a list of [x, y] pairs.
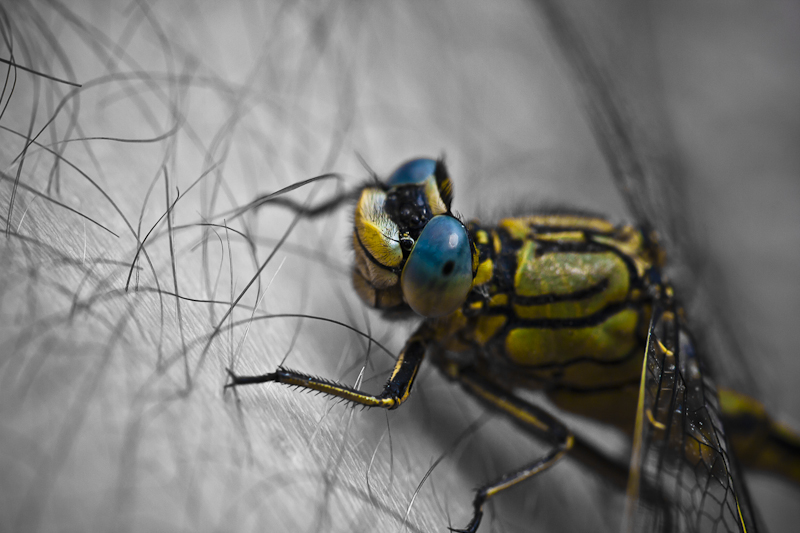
{"points": [[111, 411]]}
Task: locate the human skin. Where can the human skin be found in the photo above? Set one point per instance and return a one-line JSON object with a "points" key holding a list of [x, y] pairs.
{"points": [[112, 410]]}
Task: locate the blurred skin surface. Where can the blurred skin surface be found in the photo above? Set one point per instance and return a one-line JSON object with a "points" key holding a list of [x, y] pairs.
{"points": [[112, 362]]}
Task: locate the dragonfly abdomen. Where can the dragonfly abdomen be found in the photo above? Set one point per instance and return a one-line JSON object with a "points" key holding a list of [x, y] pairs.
{"points": [[760, 442]]}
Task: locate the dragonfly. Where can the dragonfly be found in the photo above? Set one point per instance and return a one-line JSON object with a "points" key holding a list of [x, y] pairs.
{"points": [[566, 303], [570, 304]]}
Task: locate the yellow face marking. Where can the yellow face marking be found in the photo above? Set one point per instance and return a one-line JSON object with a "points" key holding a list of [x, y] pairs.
{"points": [[378, 278], [376, 232], [482, 237]]}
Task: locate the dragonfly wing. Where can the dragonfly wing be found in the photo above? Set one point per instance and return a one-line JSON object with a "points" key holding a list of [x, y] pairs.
{"points": [[682, 475], [627, 113], [639, 150]]}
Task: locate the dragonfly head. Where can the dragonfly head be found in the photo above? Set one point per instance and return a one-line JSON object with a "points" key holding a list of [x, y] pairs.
{"points": [[410, 249]]}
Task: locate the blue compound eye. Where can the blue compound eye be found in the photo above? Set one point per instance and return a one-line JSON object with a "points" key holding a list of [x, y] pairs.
{"points": [[438, 273], [415, 171]]}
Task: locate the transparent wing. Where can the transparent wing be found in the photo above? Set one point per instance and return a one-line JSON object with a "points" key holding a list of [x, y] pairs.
{"points": [[617, 80], [683, 477], [635, 139]]}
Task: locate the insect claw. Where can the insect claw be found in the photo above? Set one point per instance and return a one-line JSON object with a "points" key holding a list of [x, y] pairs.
{"points": [[237, 380]]}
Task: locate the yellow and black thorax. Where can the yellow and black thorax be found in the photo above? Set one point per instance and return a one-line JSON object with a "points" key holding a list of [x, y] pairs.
{"points": [[559, 300]]}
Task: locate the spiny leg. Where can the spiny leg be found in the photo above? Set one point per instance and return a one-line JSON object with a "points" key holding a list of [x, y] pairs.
{"points": [[395, 392], [533, 418]]}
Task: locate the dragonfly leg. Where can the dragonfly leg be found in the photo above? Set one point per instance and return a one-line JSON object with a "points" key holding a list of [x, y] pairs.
{"points": [[310, 212], [395, 392], [526, 414]]}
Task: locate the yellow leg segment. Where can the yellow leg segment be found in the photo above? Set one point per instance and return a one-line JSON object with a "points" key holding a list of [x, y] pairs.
{"points": [[395, 392], [533, 418]]}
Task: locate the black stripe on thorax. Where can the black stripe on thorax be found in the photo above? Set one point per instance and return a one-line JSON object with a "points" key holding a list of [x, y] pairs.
{"points": [[566, 229], [589, 246], [549, 298], [561, 323], [635, 352]]}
